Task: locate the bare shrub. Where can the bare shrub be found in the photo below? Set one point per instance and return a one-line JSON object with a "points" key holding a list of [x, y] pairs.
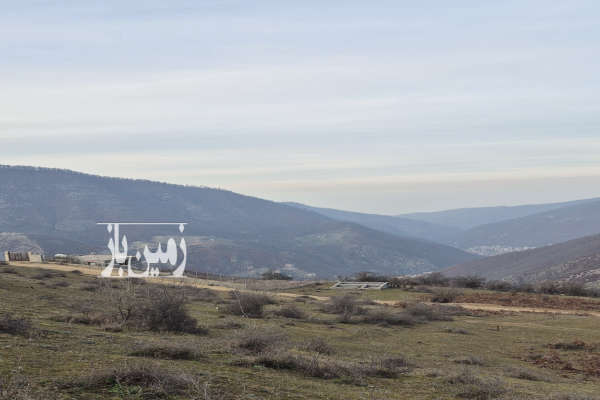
{"points": [[469, 360], [501, 286], [201, 294], [574, 345], [152, 309], [456, 330], [49, 275], [471, 282], [291, 311], [90, 288], [472, 386], [59, 284], [574, 289], [169, 351], [258, 341], [16, 386], [345, 306], [9, 271], [388, 367], [445, 295], [526, 374], [424, 312], [16, 325], [548, 287], [229, 325], [385, 317], [150, 379], [325, 368], [166, 312], [248, 304], [317, 345]]}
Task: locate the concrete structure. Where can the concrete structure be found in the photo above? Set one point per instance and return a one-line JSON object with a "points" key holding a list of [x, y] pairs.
{"points": [[17, 256], [95, 259], [361, 285], [33, 257]]}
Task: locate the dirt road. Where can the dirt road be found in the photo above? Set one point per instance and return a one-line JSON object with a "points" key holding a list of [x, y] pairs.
{"points": [[227, 287]]}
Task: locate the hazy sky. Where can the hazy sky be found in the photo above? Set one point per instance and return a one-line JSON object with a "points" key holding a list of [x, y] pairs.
{"points": [[378, 106]]}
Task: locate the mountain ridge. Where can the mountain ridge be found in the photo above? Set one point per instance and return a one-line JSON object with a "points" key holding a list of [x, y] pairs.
{"points": [[234, 233]]}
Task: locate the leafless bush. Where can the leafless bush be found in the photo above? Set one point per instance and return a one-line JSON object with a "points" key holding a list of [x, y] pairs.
{"points": [[201, 294], [248, 304], [345, 306], [424, 312], [385, 317], [445, 295], [326, 368], [59, 284], [169, 351], [291, 311], [388, 367], [149, 380], [526, 374], [456, 330], [469, 360], [228, 325], [150, 309], [9, 271], [501, 286], [16, 386], [16, 325], [318, 345], [258, 340], [574, 345], [472, 386], [471, 282], [166, 312], [49, 275]]}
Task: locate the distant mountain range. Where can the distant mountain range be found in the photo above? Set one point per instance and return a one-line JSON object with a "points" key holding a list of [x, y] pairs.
{"points": [[575, 260], [228, 233], [400, 226], [467, 218], [502, 229], [545, 228]]}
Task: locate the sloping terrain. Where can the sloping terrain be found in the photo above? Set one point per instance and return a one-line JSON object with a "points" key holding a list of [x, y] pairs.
{"points": [[63, 337], [227, 232], [391, 224], [555, 226], [577, 260], [467, 218]]}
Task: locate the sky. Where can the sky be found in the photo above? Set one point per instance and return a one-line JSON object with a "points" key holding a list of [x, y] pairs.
{"points": [[380, 106]]}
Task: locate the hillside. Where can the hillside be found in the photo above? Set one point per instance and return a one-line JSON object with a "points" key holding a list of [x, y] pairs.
{"points": [[577, 259], [391, 224], [467, 218], [227, 232], [541, 229]]}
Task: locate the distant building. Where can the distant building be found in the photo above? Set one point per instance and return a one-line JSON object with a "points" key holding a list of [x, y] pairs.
{"points": [[16, 256], [361, 285]]}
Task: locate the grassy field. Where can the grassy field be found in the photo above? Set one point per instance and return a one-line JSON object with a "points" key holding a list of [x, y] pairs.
{"points": [[63, 336]]}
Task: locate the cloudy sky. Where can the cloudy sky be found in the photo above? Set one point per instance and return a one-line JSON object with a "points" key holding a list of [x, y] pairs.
{"points": [[379, 106]]}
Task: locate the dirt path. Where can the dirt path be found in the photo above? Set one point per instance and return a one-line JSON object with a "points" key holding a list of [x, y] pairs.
{"points": [[495, 307], [223, 287], [189, 281]]}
